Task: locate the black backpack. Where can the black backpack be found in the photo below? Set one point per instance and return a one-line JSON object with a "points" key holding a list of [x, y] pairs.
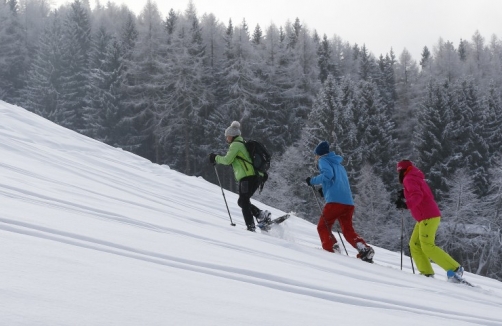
{"points": [[259, 155]]}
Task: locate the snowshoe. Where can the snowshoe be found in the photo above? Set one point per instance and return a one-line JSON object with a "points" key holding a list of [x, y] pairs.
{"points": [[266, 225]]}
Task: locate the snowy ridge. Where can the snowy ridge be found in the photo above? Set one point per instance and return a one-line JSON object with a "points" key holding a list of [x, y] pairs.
{"points": [[92, 235]]}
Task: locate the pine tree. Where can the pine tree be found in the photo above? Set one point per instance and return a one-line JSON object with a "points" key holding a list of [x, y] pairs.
{"points": [[212, 30], [44, 82], [426, 58], [171, 22], [376, 132], [476, 148], [447, 61], [326, 66], [493, 120], [429, 142], [106, 78], [98, 82], [13, 52], [462, 50], [293, 33], [145, 82], [257, 35], [299, 67], [272, 69], [240, 90], [322, 120], [128, 36], [181, 132], [387, 79], [347, 139], [479, 54], [74, 112], [34, 16], [404, 114]]}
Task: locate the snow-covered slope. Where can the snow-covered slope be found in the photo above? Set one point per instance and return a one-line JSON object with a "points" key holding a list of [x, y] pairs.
{"points": [[92, 235]]}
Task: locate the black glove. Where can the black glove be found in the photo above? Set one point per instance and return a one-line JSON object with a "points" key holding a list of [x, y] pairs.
{"points": [[212, 158], [320, 192], [308, 182], [401, 204], [400, 201]]}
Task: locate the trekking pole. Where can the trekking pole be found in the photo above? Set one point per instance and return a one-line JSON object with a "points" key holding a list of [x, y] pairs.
{"points": [[409, 249], [411, 260], [224, 198], [322, 216], [402, 232]]}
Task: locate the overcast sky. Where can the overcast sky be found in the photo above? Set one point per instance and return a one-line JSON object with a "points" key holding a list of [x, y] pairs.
{"points": [[380, 24]]}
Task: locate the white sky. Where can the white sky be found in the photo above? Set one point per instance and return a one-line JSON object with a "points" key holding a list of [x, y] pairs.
{"points": [[92, 235], [380, 24]]}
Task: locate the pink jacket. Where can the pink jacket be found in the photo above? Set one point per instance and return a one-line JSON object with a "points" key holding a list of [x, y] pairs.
{"points": [[419, 197]]}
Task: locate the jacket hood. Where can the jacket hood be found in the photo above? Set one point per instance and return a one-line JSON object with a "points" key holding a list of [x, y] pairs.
{"points": [[333, 158], [415, 172]]}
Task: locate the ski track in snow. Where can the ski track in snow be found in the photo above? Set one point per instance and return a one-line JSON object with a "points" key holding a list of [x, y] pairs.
{"points": [[261, 279]]}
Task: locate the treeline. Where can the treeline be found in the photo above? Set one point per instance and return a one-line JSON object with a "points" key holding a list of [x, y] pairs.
{"points": [[167, 87]]}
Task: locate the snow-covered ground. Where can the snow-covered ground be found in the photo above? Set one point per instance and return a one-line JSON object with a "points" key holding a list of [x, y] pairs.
{"points": [[92, 235]]}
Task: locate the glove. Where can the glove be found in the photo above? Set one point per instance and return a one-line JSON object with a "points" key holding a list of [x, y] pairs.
{"points": [[401, 201], [401, 204], [308, 181], [212, 158], [320, 192]]}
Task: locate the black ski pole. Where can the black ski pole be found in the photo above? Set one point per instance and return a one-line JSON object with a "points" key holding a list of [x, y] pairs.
{"points": [[224, 198], [402, 231], [322, 216], [409, 249], [411, 260]]}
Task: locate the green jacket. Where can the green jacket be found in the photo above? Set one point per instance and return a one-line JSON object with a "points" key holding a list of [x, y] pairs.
{"points": [[239, 157]]}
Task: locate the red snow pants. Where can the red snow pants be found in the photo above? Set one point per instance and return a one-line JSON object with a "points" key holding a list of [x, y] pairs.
{"points": [[342, 213]]}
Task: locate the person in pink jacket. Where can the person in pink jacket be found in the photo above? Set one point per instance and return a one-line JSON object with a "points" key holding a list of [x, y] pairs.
{"points": [[418, 198]]}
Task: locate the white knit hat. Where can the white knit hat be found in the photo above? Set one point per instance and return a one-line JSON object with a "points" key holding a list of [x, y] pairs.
{"points": [[234, 129]]}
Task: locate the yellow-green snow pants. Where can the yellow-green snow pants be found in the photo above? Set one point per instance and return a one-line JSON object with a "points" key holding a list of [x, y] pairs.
{"points": [[423, 248]]}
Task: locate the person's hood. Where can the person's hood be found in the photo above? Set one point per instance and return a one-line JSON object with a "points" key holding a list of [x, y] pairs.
{"points": [[333, 158], [415, 172]]}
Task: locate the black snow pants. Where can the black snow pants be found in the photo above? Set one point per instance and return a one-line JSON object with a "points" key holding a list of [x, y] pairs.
{"points": [[247, 187]]}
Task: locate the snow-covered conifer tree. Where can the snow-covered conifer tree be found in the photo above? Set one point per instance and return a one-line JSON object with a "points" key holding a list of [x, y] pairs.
{"points": [[75, 111], [44, 82], [13, 52]]}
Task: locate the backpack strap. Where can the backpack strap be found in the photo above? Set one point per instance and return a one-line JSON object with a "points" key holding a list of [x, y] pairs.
{"points": [[243, 159]]}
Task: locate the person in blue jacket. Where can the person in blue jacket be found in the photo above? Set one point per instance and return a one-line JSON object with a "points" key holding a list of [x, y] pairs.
{"points": [[339, 203]]}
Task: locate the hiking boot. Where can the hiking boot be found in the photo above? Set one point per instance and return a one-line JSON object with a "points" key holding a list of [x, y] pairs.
{"points": [[336, 248], [455, 276], [251, 228], [366, 253], [264, 217], [427, 275]]}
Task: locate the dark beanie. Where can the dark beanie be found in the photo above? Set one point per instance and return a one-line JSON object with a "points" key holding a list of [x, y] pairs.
{"points": [[322, 148]]}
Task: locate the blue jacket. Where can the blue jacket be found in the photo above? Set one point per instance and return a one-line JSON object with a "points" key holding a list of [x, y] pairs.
{"points": [[334, 180]]}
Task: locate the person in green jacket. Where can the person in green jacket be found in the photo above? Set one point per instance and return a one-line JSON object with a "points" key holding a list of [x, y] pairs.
{"points": [[244, 173]]}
